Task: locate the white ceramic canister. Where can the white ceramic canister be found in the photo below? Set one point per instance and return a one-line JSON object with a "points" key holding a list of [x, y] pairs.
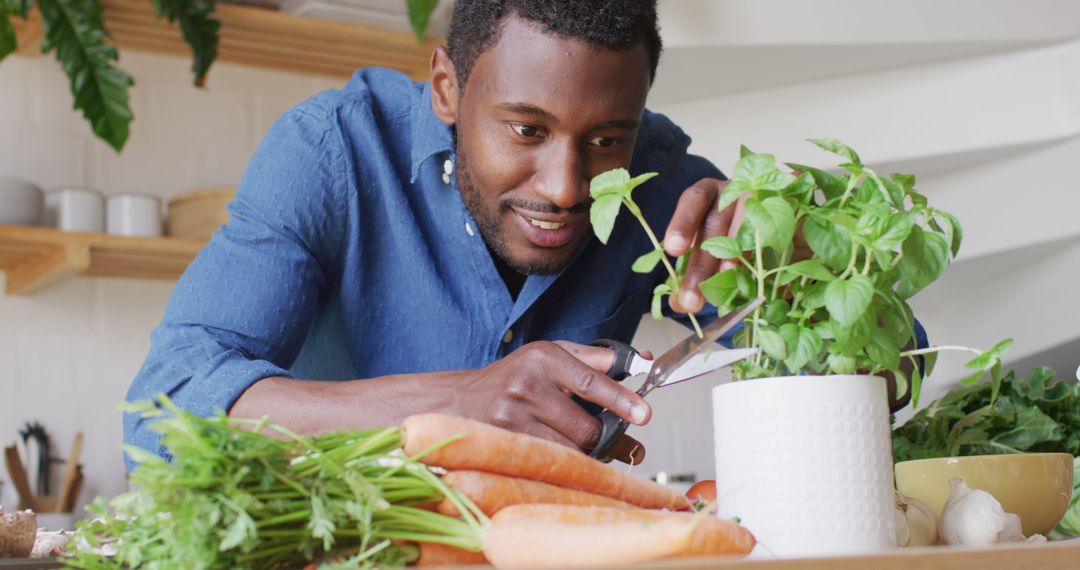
{"points": [[805, 463], [21, 202], [133, 215], [75, 210]]}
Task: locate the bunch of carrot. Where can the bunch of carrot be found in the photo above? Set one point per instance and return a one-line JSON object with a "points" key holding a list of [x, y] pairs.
{"points": [[552, 506]]}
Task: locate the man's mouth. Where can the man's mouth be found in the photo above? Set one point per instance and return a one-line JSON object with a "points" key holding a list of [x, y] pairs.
{"points": [[548, 230]]}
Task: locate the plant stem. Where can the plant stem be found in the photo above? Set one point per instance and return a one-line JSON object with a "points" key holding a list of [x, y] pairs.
{"points": [[759, 274], [938, 348], [630, 205]]}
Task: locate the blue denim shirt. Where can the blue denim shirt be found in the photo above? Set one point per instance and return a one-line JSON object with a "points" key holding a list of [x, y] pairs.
{"points": [[348, 254]]}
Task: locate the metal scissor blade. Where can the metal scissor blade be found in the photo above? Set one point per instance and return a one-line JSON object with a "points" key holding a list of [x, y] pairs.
{"points": [[673, 359], [707, 362]]}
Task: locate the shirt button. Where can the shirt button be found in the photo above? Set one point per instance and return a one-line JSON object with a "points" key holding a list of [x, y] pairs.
{"points": [[508, 337], [468, 229], [446, 178], [448, 167]]}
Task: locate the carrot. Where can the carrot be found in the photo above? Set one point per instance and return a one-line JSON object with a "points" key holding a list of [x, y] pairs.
{"points": [[713, 536], [490, 449], [492, 492], [435, 554], [522, 543]]}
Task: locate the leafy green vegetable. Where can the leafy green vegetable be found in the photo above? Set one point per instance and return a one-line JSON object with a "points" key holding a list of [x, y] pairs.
{"points": [[1011, 415], [235, 497], [612, 190], [419, 15]]}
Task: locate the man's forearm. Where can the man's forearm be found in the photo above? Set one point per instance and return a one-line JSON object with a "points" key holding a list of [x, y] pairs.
{"points": [[316, 406]]}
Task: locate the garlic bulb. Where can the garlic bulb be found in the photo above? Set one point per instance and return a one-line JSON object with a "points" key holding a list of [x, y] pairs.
{"points": [[916, 524], [976, 518], [17, 533]]}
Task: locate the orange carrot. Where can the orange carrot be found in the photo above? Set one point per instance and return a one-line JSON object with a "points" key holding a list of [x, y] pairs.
{"points": [[435, 554], [491, 449], [492, 492], [521, 543], [713, 536]]}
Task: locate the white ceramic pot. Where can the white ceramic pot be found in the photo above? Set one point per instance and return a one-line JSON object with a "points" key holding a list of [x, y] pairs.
{"points": [[133, 215], [21, 202], [75, 210], [805, 462]]}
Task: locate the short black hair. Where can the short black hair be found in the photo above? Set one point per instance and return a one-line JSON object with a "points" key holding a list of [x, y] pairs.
{"points": [[611, 24]]}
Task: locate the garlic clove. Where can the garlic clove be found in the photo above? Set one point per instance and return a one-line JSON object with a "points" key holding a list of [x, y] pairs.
{"points": [[916, 524]]}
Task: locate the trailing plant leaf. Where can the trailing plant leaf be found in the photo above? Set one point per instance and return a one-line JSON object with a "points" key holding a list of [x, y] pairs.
{"points": [[75, 30], [200, 31], [420, 15]]}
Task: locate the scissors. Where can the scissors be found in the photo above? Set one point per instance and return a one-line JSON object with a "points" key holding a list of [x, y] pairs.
{"points": [[691, 358]]}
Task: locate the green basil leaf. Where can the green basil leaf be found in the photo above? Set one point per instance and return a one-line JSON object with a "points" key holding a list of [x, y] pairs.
{"points": [[745, 237], [890, 232], [883, 350], [895, 192], [729, 196], [956, 232], [774, 219], [744, 151], [657, 300], [926, 254], [832, 186], [836, 147], [802, 189], [807, 346], [613, 181], [830, 242], [647, 262], [419, 14], [814, 298], [811, 268], [720, 289], [756, 172], [987, 359], [746, 284], [772, 343], [722, 247], [850, 339], [602, 214], [841, 364], [848, 299], [776, 312]]}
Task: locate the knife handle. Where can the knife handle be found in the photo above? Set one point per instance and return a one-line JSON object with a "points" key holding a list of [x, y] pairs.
{"points": [[612, 427]]}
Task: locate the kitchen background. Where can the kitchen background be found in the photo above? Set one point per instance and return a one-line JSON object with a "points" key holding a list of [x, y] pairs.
{"points": [[979, 98]]}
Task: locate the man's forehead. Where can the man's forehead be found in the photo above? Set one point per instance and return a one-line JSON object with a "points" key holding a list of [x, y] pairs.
{"points": [[528, 65]]}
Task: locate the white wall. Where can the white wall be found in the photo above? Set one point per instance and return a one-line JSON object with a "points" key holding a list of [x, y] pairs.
{"points": [[980, 98], [67, 354]]}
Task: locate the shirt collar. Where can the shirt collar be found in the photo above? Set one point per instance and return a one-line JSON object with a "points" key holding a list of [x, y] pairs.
{"points": [[430, 135]]}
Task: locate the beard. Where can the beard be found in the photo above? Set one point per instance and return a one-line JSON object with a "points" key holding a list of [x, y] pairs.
{"points": [[489, 221]]}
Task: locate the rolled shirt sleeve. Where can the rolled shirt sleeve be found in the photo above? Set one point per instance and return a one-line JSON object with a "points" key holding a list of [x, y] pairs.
{"points": [[241, 311]]}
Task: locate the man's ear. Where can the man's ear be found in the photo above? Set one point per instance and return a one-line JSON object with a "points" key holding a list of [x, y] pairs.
{"points": [[444, 86]]}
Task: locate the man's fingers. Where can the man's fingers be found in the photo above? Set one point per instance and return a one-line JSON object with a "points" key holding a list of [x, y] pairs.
{"points": [[598, 358], [694, 204], [628, 450], [572, 375]]}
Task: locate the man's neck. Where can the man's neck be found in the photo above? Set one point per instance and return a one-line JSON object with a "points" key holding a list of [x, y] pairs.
{"points": [[514, 281]]}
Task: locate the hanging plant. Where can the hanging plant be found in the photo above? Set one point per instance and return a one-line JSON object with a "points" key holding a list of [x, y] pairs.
{"points": [[75, 32]]}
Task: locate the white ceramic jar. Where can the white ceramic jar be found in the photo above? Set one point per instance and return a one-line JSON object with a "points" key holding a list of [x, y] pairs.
{"points": [[75, 210], [133, 215], [21, 202]]}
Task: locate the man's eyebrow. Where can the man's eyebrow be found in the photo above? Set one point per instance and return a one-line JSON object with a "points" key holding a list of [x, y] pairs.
{"points": [[533, 110], [528, 109]]}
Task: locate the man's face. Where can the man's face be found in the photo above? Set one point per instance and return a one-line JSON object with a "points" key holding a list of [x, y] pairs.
{"points": [[539, 117]]}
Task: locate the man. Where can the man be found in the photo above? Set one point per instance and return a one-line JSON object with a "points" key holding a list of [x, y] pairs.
{"points": [[398, 248]]}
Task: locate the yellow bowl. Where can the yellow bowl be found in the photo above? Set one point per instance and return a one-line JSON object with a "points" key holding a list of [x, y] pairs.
{"points": [[1036, 486]]}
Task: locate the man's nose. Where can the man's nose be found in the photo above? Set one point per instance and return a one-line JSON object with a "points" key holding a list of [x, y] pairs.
{"points": [[561, 177]]}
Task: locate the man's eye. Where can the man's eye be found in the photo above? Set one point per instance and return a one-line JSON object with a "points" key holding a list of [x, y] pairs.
{"points": [[528, 131], [604, 142]]}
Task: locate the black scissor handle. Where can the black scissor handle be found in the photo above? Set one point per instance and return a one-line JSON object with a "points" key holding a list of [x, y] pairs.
{"points": [[612, 427], [618, 371]]}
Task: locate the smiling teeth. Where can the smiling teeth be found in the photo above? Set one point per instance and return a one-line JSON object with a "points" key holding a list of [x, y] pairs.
{"points": [[547, 225]]}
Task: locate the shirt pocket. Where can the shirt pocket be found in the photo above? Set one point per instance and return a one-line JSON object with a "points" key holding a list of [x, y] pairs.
{"points": [[620, 324]]}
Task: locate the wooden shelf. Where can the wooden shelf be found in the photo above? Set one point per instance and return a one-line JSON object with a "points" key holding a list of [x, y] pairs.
{"points": [[35, 258], [262, 38]]}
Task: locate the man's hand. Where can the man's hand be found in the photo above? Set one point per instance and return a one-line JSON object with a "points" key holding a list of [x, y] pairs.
{"points": [[530, 391], [695, 220]]}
